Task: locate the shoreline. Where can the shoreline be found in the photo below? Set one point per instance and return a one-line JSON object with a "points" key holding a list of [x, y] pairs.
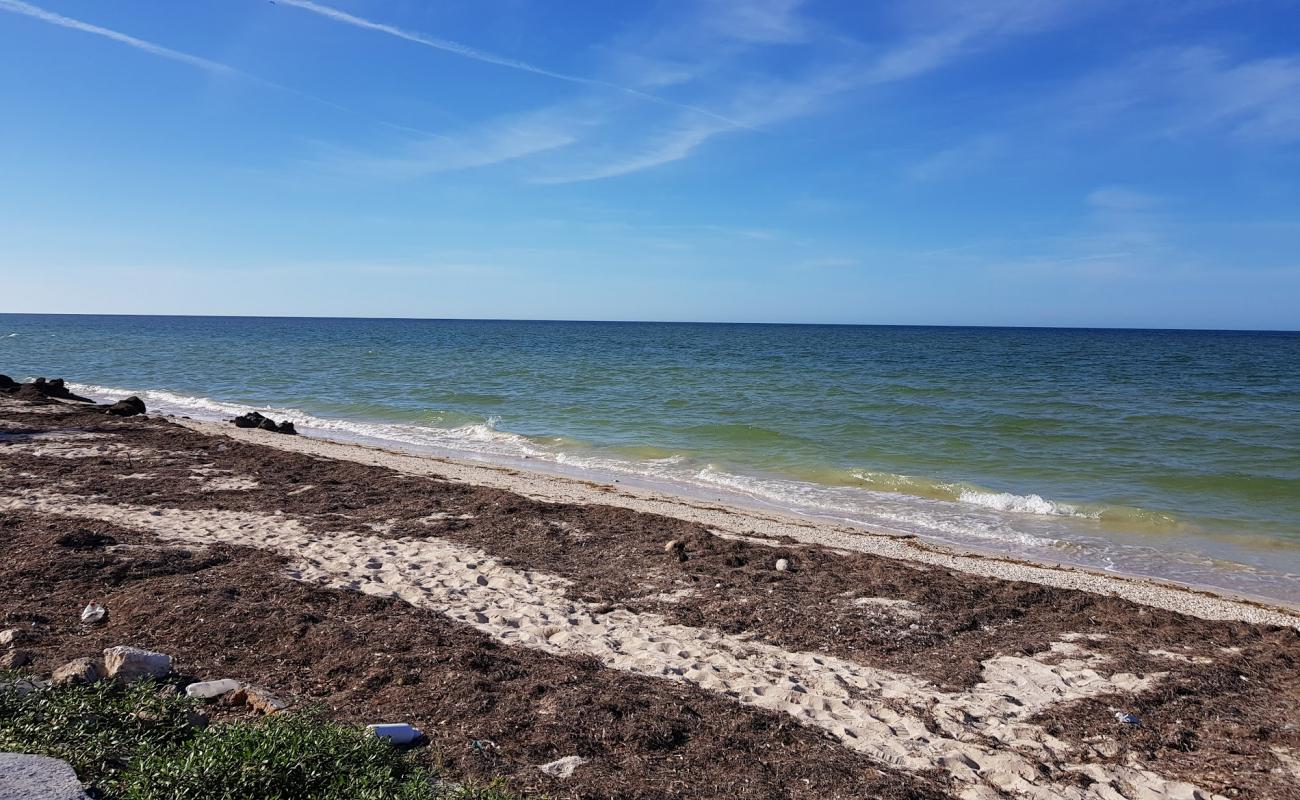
{"points": [[768, 525], [676, 648], [1201, 568]]}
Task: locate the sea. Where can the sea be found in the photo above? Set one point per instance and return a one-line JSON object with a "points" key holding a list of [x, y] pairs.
{"points": [[1167, 454]]}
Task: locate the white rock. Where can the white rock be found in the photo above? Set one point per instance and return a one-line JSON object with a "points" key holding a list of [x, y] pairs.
{"points": [[11, 636], [129, 664], [206, 690], [562, 767], [397, 732], [782, 565]]}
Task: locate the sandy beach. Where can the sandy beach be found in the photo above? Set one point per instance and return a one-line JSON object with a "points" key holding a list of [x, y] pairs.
{"points": [[679, 648]]}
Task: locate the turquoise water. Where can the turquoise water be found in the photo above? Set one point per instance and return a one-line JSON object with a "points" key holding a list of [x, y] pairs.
{"points": [[1166, 453]]}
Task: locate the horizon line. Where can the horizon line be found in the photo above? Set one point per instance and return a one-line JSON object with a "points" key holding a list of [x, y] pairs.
{"points": [[986, 326]]}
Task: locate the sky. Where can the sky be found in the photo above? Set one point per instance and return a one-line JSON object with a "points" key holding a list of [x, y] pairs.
{"points": [[955, 162]]}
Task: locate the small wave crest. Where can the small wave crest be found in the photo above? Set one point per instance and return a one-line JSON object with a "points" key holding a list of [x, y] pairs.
{"points": [[1023, 504]]}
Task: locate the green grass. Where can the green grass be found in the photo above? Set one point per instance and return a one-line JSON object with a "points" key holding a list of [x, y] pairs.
{"points": [[135, 744]]}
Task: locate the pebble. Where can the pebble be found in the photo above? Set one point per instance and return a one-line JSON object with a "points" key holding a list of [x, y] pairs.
{"points": [[782, 564]]}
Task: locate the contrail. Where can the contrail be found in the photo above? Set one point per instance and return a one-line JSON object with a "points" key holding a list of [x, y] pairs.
{"points": [[29, 10], [466, 51]]}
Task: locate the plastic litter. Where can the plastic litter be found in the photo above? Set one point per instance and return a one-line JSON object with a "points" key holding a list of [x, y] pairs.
{"points": [[1127, 718], [93, 612], [206, 690], [397, 733]]}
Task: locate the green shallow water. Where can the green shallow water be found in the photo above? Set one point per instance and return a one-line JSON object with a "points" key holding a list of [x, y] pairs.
{"points": [[1172, 453]]}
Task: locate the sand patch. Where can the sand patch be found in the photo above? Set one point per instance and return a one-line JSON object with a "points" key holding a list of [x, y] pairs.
{"points": [[1180, 657], [69, 444], [981, 737]]}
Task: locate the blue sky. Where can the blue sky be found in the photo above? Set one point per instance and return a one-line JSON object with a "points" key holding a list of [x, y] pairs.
{"points": [[1083, 162]]}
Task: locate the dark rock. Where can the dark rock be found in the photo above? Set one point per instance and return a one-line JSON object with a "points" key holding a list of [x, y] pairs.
{"points": [[8, 384], [126, 408], [41, 388], [255, 420]]}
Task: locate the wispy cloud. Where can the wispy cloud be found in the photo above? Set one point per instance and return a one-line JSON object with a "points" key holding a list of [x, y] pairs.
{"points": [[719, 54], [1121, 199], [960, 159], [944, 30], [1176, 92], [765, 21], [465, 51], [35, 12], [496, 142], [757, 104]]}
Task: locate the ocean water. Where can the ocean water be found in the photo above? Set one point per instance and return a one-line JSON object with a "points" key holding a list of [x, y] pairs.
{"points": [[1173, 454]]}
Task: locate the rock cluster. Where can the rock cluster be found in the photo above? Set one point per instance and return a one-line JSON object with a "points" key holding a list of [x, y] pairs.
{"points": [[43, 390], [40, 389], [127, 665], [255, 420]]}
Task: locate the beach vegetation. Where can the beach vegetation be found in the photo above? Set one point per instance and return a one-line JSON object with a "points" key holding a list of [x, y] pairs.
{"points": [[137, 743]]}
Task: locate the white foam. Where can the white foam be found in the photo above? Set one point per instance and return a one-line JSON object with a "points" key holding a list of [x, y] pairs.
{"points": [[947, 520], [1022, 504]]}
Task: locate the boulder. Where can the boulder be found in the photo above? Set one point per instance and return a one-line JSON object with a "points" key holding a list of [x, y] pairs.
{"points": [[126, 408], [78, 672], [128, 664], [250, 420], [255, 420], [8, 384], [28, 777], [15, 659], [41, 388]]}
